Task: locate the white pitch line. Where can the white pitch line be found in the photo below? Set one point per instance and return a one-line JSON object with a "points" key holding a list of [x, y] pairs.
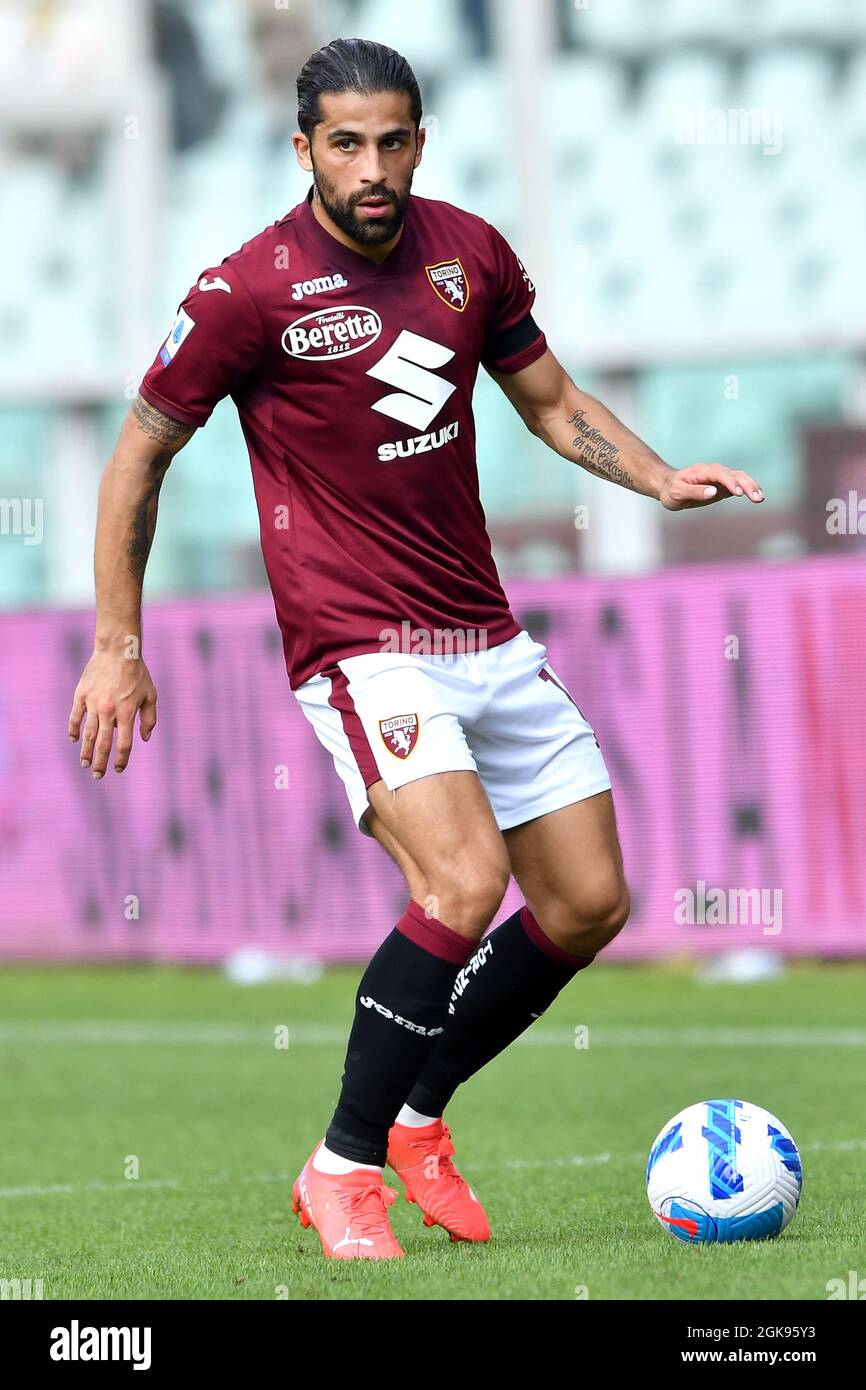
{"points": [[703, 1037], [585, 1160], [155, 1033], [214, 1179], [63, 1188]]}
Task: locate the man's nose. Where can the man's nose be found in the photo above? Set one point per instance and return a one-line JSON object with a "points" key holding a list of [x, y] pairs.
{"points": [[371, 171]]}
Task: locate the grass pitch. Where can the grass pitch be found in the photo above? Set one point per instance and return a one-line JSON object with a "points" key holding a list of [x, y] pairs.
{"points": [[152, 1129]]}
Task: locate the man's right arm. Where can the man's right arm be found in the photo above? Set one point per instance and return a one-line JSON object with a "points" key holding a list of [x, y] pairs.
{"points": [[116, 684], [216, 341]]}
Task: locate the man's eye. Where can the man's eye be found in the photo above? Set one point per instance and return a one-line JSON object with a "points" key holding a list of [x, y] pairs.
{"points": [[341, 144]]}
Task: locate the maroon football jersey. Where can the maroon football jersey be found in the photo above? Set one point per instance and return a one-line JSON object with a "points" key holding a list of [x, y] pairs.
{"points": [[353, 381]]}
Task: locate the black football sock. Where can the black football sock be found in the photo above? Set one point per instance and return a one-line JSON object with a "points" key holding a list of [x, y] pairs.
{"points": [[400, 1012], [513, 976]]}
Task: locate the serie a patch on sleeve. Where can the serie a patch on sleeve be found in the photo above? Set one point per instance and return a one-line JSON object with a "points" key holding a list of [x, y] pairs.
{"points": [[183, 326]]}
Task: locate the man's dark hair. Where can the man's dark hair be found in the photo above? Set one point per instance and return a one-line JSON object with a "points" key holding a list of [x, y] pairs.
{"points": [[353, 65]]}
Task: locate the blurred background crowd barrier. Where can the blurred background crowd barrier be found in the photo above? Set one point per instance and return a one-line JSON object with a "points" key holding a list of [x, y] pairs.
{"points": [[730, 716], [686, 183]]}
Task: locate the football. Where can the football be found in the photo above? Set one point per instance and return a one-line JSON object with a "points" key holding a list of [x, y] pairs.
{"points": [[724, 1170]]}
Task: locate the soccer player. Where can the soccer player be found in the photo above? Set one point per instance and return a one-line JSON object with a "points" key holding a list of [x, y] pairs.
{"points": [[349, 335]]}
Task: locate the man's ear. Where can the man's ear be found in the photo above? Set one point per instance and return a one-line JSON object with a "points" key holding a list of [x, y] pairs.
{"points": [[302, 150], [419, 146]]}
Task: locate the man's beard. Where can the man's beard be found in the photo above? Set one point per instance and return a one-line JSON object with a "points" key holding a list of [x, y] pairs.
{"points": [[372, 231]]}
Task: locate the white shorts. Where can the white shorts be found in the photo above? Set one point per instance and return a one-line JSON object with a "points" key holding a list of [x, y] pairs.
{"points": [[502, 713]]}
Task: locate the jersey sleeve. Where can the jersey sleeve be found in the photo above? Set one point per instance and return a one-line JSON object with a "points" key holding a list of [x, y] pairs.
{"points": [[513, 340], [215, 342]]}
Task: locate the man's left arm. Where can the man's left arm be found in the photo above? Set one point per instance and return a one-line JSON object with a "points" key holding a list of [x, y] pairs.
{"points": [[581, 429]]}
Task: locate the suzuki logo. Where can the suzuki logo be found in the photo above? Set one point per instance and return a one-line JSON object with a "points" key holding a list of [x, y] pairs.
{"points": [[409, 364]]}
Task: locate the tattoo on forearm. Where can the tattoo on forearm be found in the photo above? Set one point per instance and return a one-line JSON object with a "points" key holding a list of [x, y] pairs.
{"points": [[143, 528], [160, 426], [598, 453]]}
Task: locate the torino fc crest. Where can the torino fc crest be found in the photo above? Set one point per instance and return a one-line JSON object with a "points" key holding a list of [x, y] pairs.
{"points": [[448, 279], [400, 734]]}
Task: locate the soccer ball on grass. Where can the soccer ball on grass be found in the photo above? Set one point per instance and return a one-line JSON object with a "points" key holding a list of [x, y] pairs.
{"points": [[724, 1170]]}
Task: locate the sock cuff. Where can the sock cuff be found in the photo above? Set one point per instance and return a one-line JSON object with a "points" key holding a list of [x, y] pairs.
{"points": [[433, 936], [544, 943]]}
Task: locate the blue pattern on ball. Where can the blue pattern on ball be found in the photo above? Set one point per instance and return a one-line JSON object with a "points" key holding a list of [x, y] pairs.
{"points": [[668, 1144], [722, 1138]]}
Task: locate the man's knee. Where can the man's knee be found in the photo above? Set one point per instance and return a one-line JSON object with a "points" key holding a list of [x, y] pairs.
{"points": [[466, 895], [585, 926]]}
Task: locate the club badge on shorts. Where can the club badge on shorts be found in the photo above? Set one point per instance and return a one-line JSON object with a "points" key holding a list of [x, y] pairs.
{"points": [[400, 734], [450, 282]]}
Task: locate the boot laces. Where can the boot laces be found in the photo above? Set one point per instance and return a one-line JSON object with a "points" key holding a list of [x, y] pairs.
{"points": [[443, 1148], [365, 1208]]}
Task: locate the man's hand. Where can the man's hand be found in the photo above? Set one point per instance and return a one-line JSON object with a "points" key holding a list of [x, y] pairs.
{"points": [[116, 684], [581, 429], [701, 484], [112, 689]]}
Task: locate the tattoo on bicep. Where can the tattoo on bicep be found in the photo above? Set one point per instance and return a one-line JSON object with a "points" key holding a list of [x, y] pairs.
{"points": [[143, 528], [159, 426], [601, 455]]}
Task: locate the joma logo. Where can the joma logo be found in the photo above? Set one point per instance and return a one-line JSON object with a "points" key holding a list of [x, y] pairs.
{"points": [[370, 1003], [320, 285]]}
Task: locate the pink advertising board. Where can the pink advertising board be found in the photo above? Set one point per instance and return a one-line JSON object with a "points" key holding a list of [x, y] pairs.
{"points": [[729, 702]]}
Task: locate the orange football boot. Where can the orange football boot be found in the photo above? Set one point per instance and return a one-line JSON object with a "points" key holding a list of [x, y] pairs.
{"points": [[422, 1158], [348, 1210]]}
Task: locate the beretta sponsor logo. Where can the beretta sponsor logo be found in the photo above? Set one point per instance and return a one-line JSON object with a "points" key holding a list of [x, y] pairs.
{"points": [[332, 332]]}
